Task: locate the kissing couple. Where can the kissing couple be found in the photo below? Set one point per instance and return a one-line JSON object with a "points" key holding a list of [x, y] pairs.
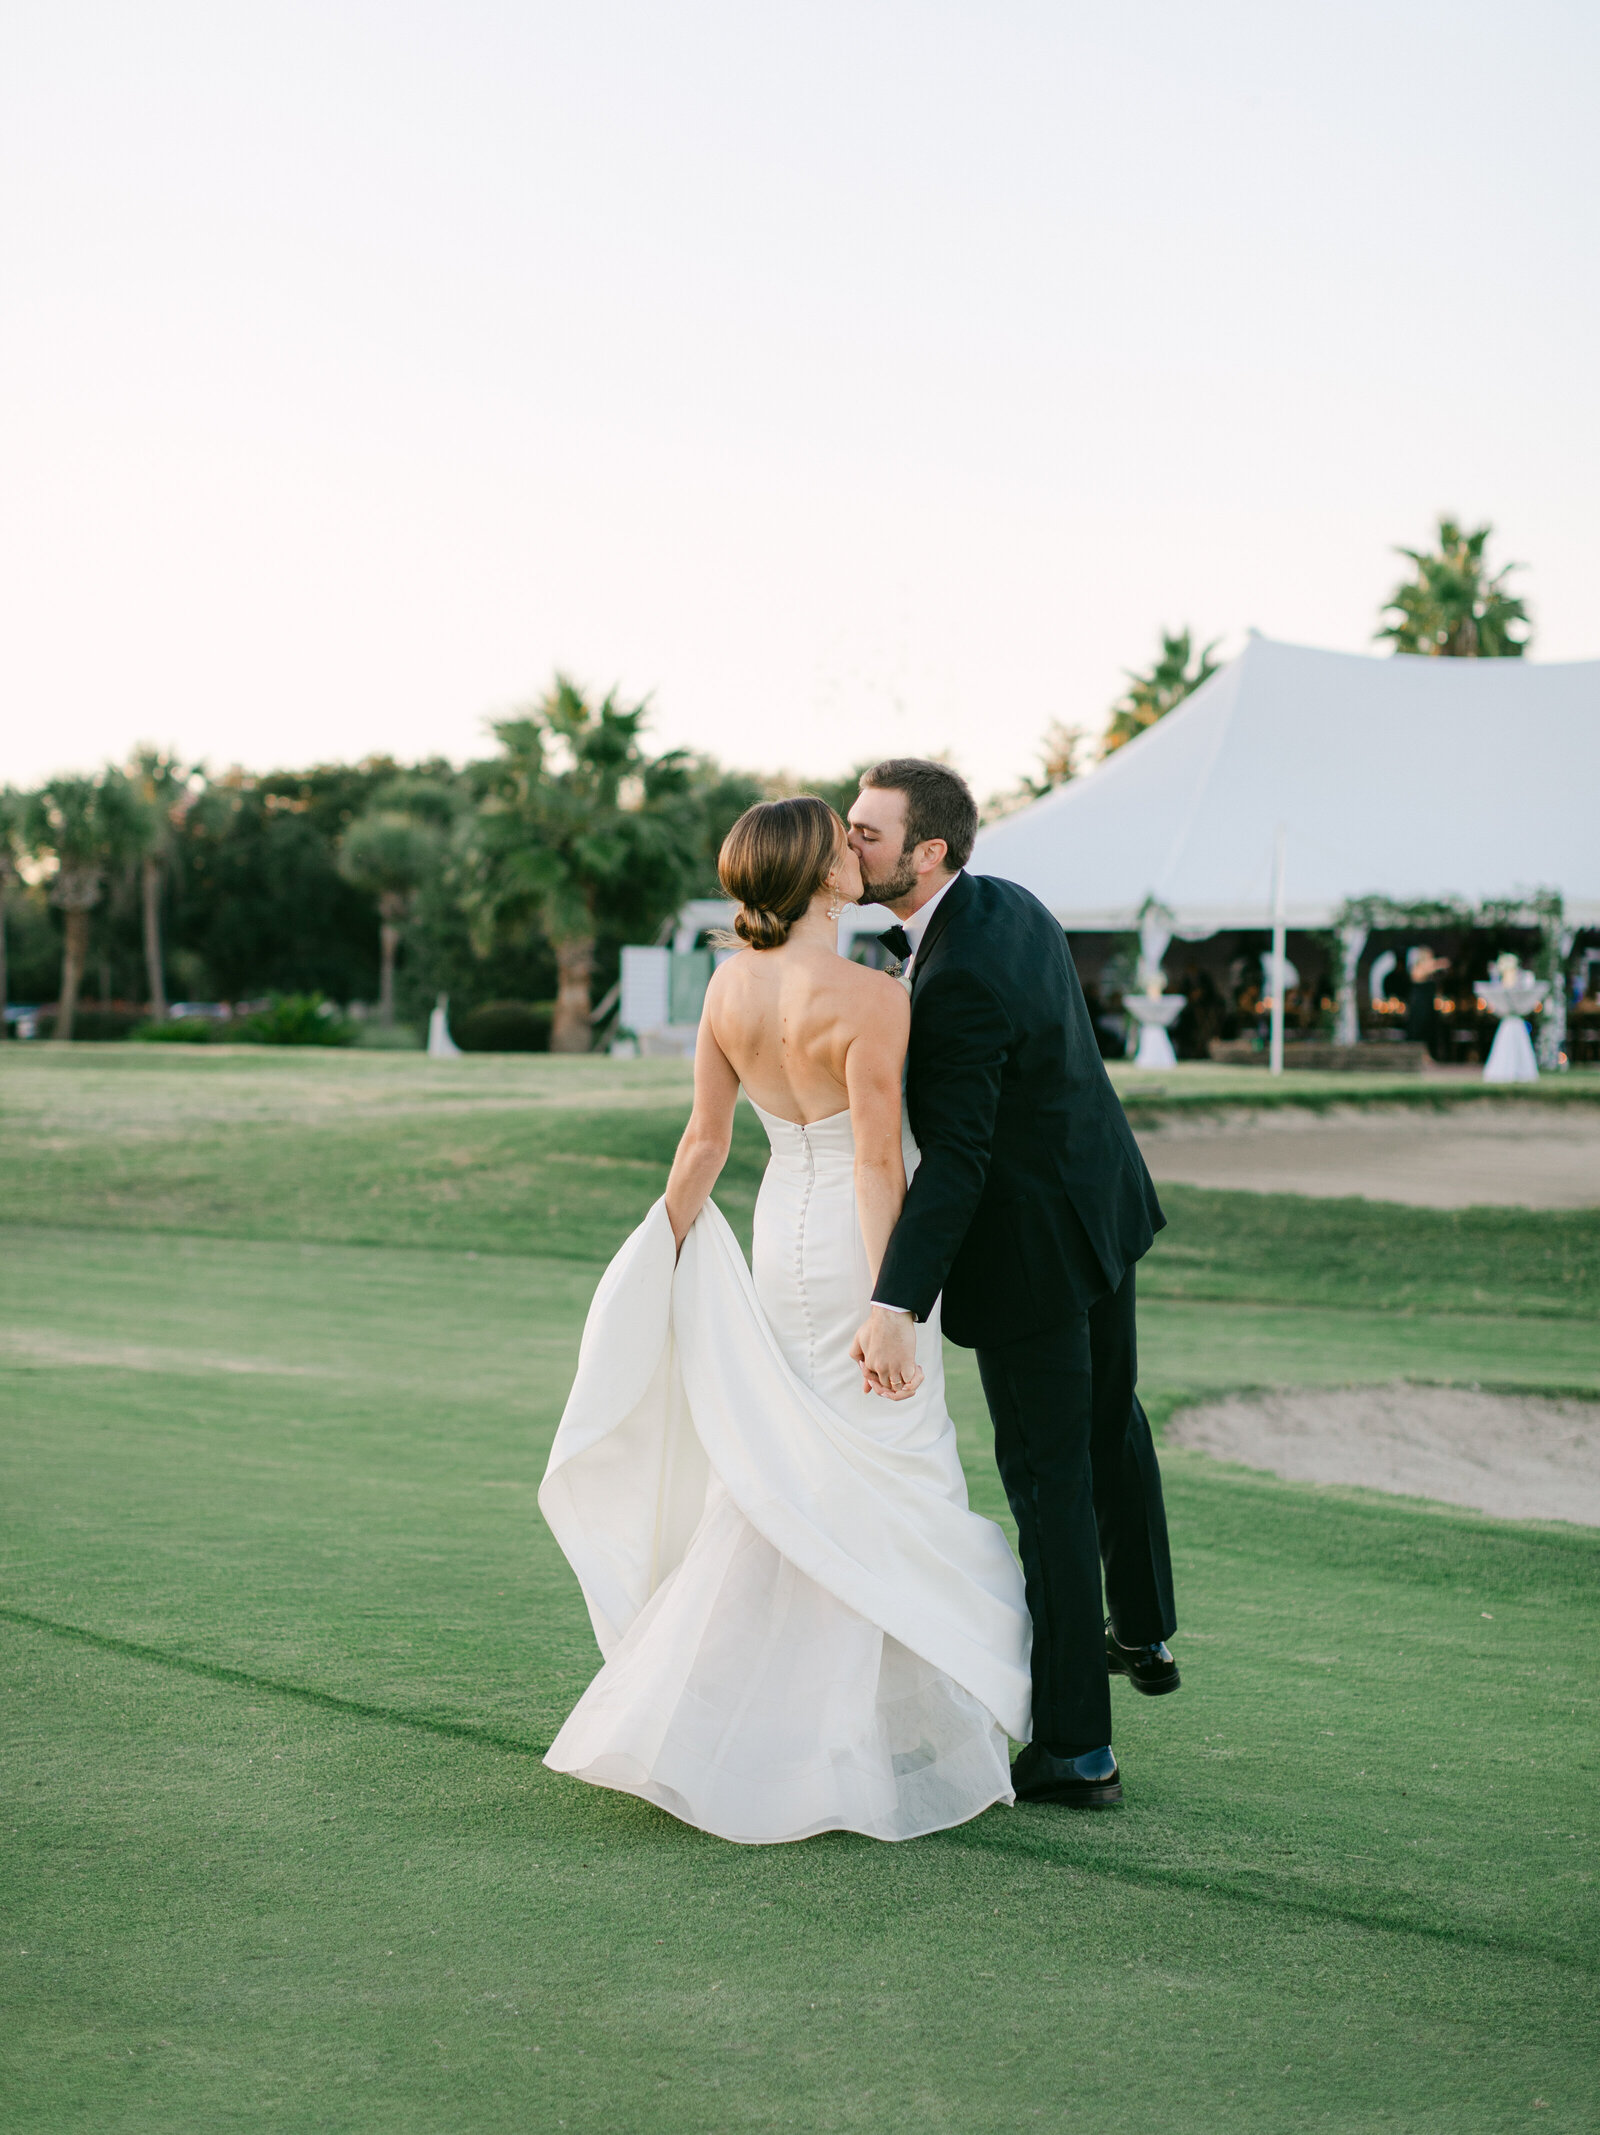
{"points": [[805, 1627]]}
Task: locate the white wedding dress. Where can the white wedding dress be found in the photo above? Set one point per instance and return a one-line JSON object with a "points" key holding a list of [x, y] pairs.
{"points": [[804, 1626]]}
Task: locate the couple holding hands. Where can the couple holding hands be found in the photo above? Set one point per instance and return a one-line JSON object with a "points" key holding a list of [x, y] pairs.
{"points": [[804, 1626]]}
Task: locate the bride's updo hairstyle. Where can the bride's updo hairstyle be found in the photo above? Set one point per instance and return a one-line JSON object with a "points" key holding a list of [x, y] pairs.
{"points": [[774, 861]]}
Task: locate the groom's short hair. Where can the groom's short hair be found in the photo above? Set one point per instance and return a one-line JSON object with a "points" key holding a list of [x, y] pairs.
{"points": [[939, 803]]}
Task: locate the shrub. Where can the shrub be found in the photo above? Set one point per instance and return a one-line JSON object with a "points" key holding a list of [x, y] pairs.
{"points": [[295, 1019], [181, 1030], [505, 1027], [95, 1026]]}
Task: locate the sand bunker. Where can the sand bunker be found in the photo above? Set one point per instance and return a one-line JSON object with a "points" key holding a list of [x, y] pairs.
{"points": [[1520, 1456], [1471, 1155]]}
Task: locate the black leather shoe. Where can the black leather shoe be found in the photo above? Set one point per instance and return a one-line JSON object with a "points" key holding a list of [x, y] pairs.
{"points": [[1148, 1668], [1091, 1781]]}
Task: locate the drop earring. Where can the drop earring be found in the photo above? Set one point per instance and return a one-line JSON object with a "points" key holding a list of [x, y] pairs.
{"points": [[835, 903]]}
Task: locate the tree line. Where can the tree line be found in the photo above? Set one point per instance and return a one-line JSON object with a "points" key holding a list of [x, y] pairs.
{"points": [[517, 877]]}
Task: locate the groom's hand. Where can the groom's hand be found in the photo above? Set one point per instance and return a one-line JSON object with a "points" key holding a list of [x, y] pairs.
{"points": [[885, 1347]]}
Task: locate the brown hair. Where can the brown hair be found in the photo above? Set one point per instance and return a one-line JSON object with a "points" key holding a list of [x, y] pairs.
{"points": [[774, 860], [939, 804]]}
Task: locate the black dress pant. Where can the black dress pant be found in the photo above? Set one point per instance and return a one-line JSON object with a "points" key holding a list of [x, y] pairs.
{"points": [[1074, 1451]]}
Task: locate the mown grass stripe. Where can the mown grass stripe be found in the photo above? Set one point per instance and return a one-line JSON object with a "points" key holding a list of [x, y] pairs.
{"points": [[986, 1834], [215, 1671], [1237, 1886]]}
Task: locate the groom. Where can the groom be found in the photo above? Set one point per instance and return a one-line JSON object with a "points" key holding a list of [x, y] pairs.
{"points": [[1028, 1210]]}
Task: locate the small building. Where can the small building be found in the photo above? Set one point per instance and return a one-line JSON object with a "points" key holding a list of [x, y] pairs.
{"points": [[664, 984]]}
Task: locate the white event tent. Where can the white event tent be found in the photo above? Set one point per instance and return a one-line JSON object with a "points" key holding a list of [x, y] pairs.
{"points": [[1402, 777]]}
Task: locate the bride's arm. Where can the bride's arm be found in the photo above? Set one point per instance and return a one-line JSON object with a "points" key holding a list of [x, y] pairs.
{"points": [[708, 1136], [873, 1068]]}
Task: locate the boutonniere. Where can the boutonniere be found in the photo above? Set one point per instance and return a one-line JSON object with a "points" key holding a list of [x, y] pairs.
{"points": [[905, 979]]}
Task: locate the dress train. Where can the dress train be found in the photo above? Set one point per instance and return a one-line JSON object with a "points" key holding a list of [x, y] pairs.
{"points": [[804, 1626]]}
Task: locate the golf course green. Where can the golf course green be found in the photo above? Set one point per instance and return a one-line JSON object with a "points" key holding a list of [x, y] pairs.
{"points": [[284, 1337]]}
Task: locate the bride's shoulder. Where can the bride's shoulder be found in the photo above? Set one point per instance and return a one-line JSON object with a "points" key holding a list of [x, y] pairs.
{"points": [[873, 992], [869, 981], [733, 971]]}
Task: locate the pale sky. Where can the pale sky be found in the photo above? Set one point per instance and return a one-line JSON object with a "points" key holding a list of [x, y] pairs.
{"points": [[848, 377]]}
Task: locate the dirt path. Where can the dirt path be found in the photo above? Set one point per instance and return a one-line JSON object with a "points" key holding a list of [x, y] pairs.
{"points": [[1471, 1155], [1519, 1456]]}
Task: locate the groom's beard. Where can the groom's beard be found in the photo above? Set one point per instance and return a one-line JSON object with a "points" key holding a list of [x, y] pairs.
{"points": [[900, 881]]}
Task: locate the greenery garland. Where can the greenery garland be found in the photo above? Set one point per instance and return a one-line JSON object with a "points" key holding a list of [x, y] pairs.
{"points": [[1541, 909], [1544, 910]]}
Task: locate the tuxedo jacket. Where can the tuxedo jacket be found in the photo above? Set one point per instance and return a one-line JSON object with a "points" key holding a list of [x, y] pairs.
{"points": [[1031, 1199]]}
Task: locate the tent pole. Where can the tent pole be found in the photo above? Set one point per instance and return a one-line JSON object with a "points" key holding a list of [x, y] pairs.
{"points": [[1279, 932]]}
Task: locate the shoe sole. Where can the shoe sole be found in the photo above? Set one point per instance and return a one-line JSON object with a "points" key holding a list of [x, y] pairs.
{"points": [[1147, 1690], [1080, 1798]]}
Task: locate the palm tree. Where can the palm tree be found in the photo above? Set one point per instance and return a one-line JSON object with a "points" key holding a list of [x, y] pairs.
{"points": [[1060, 758], [1061, 752], [1176, 675], [1452, 607], [12, 812], [389, 853], [162, 789], [89, 827], [579, 830]]}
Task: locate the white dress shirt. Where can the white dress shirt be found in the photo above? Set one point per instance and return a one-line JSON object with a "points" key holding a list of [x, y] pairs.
{"points": [[917, 925], [915, 928]]}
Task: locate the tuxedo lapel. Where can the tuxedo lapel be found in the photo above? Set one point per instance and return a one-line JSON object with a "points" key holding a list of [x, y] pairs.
{"points": [[954, 901]]}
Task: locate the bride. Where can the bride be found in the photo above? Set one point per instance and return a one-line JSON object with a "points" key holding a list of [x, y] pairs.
{"points": [[804, 1626]]}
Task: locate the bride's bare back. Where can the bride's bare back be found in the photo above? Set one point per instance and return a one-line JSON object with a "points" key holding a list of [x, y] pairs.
{"points": [[807, 1034], [787, 1021]]}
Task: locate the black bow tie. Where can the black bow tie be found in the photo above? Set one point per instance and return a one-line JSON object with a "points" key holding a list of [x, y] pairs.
{"points": [[897, 941]]}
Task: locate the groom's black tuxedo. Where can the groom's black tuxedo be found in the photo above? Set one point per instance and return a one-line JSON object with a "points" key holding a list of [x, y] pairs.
{"points": [[1028, 1210], [1031, 1192]]}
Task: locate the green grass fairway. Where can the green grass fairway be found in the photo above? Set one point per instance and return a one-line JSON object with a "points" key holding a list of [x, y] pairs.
{"points": [[543, 1155], [282, 1637]]}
